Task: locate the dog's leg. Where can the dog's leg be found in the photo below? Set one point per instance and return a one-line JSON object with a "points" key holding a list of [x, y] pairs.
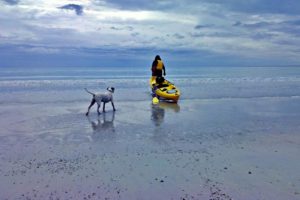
{"points": [[104, 106], [112, 103], [99, 105], [92, 103]]}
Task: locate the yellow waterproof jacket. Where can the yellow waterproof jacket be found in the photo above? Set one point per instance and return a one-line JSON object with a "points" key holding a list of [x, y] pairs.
{"points": [[160, 65]]}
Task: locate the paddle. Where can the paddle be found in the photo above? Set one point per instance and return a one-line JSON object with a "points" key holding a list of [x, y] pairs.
{"points": [[155, 100]]}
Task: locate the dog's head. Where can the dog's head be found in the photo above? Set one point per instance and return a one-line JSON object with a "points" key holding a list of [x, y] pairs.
{"points": [[111, 89]]}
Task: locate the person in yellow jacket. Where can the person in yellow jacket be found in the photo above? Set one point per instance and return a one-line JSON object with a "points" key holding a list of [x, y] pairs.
{"points": [[158, 67]]}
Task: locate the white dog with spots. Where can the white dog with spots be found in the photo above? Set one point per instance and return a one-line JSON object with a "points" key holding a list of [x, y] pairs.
{"points": [[101, 97]]}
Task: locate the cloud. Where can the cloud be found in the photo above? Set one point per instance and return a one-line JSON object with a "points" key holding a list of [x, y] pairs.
{"points": [[254, 25], [135, 34], [77, 8], [128, 28], [213, 34], [253, 6], [263, 36], [236, 30], [199, 26], [141, 4], [12, 2], [115, 28], [178, 36], [293, 22], [269, 27], [261, 6], [39, 49]]}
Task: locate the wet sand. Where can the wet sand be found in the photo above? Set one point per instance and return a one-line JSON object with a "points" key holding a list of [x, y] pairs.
{"points": [[199, 149]]}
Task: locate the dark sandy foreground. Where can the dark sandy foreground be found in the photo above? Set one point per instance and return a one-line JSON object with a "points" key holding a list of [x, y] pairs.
{"points": [[199, 149]]}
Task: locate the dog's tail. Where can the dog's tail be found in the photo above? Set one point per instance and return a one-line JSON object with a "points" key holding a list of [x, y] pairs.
{"points": [[89, 92]]}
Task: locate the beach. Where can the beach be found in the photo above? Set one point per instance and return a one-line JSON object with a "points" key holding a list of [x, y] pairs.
{"points": [[234, 134]]}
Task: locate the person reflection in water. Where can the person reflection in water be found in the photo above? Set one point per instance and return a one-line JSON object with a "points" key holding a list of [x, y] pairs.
{"points": [[158, 111], [157, 115], [103, 128]]}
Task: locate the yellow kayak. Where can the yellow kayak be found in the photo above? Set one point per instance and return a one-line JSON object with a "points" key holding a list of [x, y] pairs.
{"points": [[165, 90]]}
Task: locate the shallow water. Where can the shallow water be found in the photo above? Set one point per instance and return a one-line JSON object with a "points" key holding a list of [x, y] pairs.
{"points": [[233, 135]]}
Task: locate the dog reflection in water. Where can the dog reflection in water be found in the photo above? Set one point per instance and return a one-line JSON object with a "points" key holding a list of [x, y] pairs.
{"points": [[103, 127]]}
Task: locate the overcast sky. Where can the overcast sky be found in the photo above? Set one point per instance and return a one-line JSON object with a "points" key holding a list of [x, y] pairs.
{"points": [[130, 33]]}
